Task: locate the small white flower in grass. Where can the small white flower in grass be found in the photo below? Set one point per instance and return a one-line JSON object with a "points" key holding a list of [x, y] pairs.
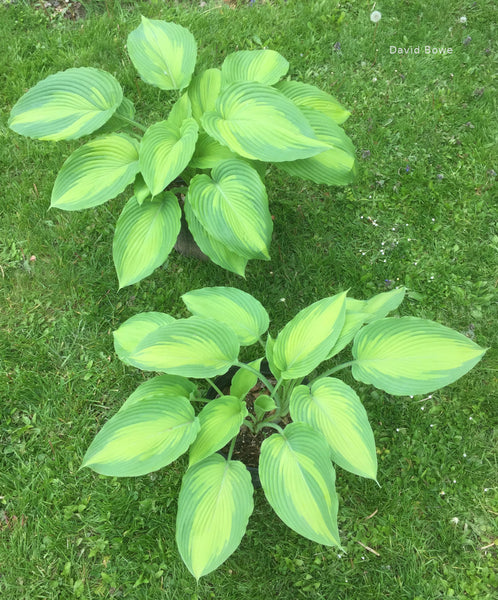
{"points": [[464, 455], [463, 19], [455, 520], [375, 17]]}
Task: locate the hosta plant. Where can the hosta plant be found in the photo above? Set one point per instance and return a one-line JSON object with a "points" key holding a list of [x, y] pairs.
{"points": [[312, 420], [224, 125]]}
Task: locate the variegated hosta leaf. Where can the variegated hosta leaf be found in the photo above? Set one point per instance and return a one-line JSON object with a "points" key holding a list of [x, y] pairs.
{"points": [[309, 96], [336, 166], [165, 151], [181, 110], [67, 105], [334, 409], [258, 122], [96, 172], [145, 234], [359, 312], [243, 381], [307, 339], [411, 356], [134, 330], [127, 110], [140, 190], [233, 207], [220, 421], [380, 305], [265, 66], [161, 386], [214, 507], [163, 53], [204, 91], [208, 152], [299, 482], [217, 252], [193, 347], [145, 437], [239, 310], [353, 322], [269, 351]]}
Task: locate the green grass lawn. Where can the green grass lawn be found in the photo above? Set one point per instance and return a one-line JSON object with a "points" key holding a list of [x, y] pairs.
{"points": [[422, 213]]}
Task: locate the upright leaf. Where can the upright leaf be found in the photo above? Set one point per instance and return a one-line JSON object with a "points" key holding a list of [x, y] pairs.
{"points": [[307, 339], [161, 386], [164, 54], [309, 96], [208, 152], [165, 151], [204, 91], [265, 66], [96, 172], [67, 105], [193, 347], [239, 310], [381, 305], [145, 234], [143, 438], [217, 252], [134, 330], [335, 410], [220, 421], [244, 380], [233, 207], [214, 507], [411, 356], [257, 122], [299, 482], [335, 166]]}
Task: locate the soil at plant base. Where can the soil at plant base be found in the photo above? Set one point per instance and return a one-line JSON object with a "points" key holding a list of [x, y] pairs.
{"points": [[248, 445]]}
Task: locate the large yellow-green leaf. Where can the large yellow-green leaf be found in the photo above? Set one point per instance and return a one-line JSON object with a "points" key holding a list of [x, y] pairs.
{"points": [[96, 172], [144, 437], [244, 380], [217, 252], [145, 234], [67, 105], [232, 206], [208, 152], [204, 91], [165, 151], [162, 386], [359, 312], [309, 96], [258, 122], [220, 421], [214, 507], [380, 305], [163, 53], [335, 166], [299, 482], [193, 347], [307, 339], [334, 409], [134, 330], [411, 356], [245, 315], [265, 66]]}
